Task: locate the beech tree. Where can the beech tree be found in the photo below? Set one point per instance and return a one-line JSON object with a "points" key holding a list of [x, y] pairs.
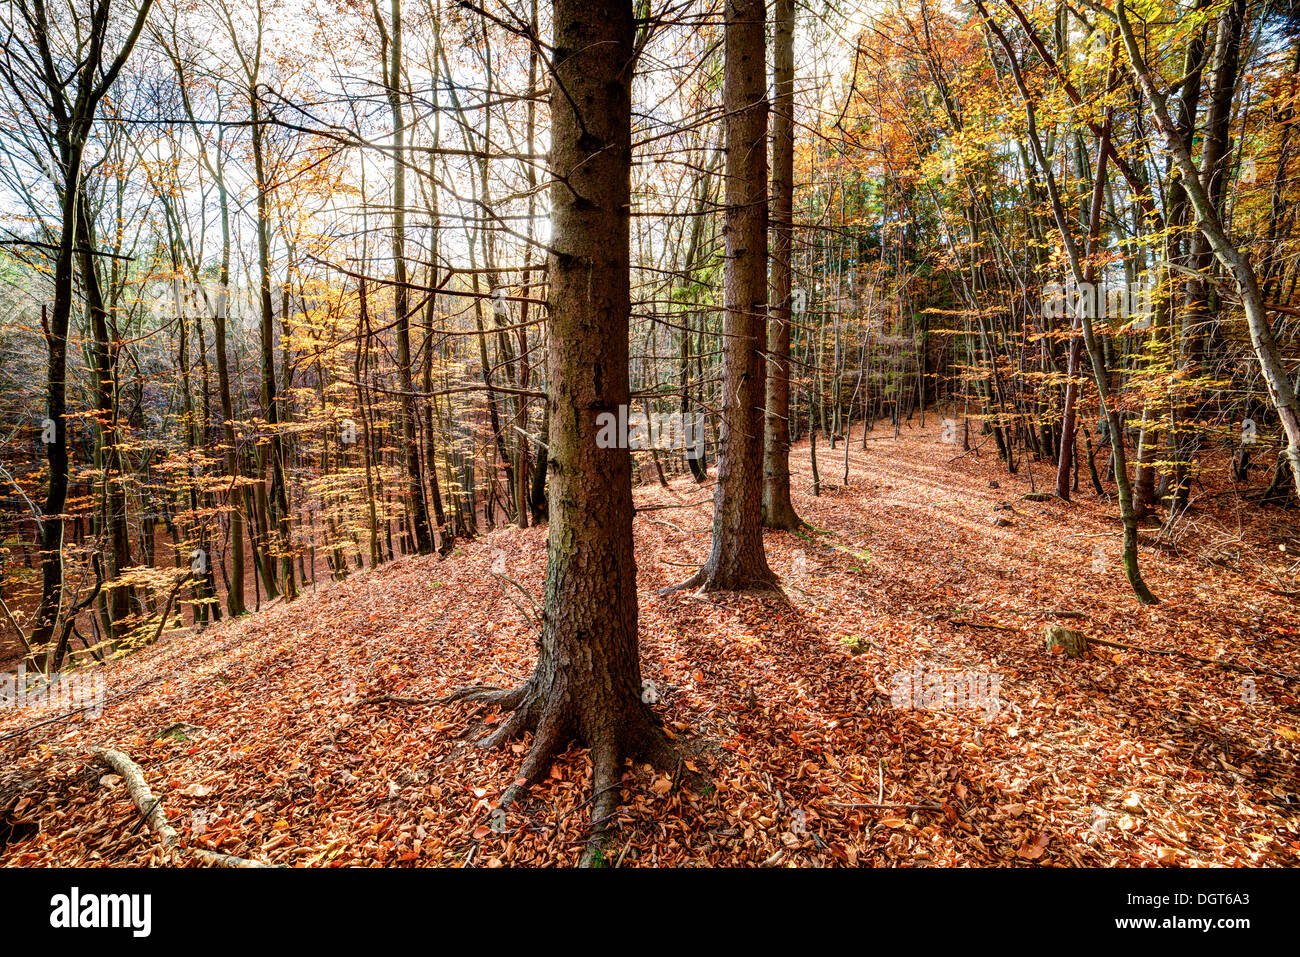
{"points": [[391, 45], [64, 60]]}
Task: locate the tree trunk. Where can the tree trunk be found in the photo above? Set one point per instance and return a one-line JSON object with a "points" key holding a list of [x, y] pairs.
{"points": [[54, 432], [587, 684], [737, 560], [105, 391], [277, 508], [1197, 307], [392, 43], [778, 510]]}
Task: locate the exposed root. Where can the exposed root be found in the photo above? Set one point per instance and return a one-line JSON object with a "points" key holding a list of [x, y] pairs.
{"points": [[692, 582], [655, 749], [647, 744], [552, 730], [705, 581], [510, 729], [506, 698], [547, 743], [704, 585], [606, 777]]}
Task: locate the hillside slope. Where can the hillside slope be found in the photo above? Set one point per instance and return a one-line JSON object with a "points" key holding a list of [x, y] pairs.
{"points": [[785, 703]]}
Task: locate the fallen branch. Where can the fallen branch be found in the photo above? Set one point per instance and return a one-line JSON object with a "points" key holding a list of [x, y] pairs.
{"points": [[979, 624], [889, 807], [1231, 665], [151, 811], [656, 508], [464, 694], [657, 521], [1047, 612], [395, 699]]}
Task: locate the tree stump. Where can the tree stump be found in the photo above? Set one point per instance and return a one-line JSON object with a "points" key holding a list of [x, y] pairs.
{"points": [[1065, 640]]}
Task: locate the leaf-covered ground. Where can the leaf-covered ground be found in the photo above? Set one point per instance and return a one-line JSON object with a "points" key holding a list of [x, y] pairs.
{"points": [[273, 751]]}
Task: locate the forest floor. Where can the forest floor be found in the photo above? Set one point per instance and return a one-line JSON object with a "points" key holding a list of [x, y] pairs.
{"points": [[258, 738]]}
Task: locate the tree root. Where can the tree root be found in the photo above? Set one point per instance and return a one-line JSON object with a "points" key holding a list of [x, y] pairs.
{"points": [[692, 582], [704, 582], [484, 694], [151, 811], [553, 728]]}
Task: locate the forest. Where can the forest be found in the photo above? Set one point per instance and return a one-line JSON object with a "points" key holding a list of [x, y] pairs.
{"points": [[657, 433]]}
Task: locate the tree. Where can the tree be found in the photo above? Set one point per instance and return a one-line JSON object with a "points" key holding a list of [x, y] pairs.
{"points": [[71, 81], [737, 560], [1081, 275], [1263, 340], [215, 164], [587, 683], [778, 510], [391, 44]]}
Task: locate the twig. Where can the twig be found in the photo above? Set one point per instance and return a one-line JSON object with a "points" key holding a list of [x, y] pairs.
{"points": [[536, 606], [657, 521], [887, 807], [655, 508]]}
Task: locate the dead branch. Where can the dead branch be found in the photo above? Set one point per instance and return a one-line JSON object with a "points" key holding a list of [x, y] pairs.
{"points": [[152, 812], [1230, 665]]}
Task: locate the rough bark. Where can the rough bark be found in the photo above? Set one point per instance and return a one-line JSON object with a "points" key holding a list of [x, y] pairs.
{"points": [[737, 560], [778, 510], [587, 683]]}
